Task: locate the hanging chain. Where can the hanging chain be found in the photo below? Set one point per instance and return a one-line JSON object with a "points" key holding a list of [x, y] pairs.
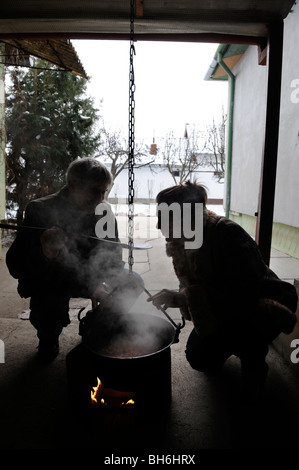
{"points": [[131, 161]]}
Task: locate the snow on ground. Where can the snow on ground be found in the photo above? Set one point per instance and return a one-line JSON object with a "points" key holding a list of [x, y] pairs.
{"points": [[150, 209]]}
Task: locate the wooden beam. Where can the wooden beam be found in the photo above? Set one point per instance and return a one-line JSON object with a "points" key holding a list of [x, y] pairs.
{"points": [[269, 162], [168, 37], [139, 8]]}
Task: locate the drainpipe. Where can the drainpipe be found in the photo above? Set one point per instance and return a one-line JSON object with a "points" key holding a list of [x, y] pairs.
{"points": [[220, 61]]}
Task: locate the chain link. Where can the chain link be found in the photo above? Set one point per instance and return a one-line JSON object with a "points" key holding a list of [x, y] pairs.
{"points": [[131, 160]]}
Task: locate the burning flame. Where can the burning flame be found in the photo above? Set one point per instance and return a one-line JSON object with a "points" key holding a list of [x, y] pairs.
{"points": [[97, 391], [94, 391], [129, 402]]}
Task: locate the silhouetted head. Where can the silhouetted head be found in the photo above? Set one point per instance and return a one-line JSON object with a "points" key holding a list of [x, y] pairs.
{"points": [[183, 193], [88, 181], [184, 200]]}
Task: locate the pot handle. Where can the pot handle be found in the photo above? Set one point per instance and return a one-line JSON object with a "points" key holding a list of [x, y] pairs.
{"points": [[177, 327], [178, 330]]}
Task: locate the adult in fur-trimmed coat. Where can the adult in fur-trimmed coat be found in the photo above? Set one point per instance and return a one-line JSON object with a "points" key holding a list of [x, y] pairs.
{"points": [[236, 303]]}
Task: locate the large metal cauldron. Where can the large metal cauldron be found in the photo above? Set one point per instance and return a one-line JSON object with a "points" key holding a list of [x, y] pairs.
{"points": [[126, 335]]}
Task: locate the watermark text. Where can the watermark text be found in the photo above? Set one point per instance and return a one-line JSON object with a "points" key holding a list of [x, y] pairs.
{"points": [[295, 353], [175, 221], [295, 92], [2, 352]]}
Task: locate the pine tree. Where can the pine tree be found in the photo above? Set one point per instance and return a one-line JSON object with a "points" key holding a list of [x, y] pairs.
{"points": [[49, 123]]}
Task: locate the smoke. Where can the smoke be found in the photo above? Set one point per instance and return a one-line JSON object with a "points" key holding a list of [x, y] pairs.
{"points": [[85, 263], [130, 335]]}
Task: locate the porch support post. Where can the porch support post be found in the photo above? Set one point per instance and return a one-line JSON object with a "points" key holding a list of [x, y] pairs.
{"points": [[265, 212], [2, 139]]}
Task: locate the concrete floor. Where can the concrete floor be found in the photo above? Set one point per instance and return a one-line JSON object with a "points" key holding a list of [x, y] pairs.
{"points": [[205, 412]]}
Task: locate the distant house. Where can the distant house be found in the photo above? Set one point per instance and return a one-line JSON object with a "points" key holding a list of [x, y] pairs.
{"points": [[248, 85], [149, 180]]}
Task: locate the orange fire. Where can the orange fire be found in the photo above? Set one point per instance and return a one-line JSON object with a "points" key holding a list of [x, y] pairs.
{"points": [[129, 402], [95, 391], [99, 391]]}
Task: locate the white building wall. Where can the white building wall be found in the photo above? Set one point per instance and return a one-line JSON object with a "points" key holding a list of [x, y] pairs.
{"points": [[147, 184], [248, 132], [249, 122], [287, 184]]}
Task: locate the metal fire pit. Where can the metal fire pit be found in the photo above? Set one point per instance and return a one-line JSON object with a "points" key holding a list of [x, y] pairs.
{"points": [[128, 353]]}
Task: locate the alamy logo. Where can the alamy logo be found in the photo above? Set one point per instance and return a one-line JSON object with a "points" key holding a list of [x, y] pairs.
{"points": [[295, 353], [2, 352], [295, 93], [181, 224], [175, 221]]}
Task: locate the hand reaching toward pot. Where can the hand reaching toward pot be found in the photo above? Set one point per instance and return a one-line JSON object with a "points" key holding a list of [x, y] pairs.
{"points": [[168, 299]]}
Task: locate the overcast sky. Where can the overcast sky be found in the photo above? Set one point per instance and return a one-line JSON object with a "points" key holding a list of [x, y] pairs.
{"points": [[169, 79]]}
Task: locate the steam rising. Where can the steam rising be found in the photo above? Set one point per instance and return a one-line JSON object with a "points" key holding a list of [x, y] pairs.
{"points": [[130, 335], [86, 263]]}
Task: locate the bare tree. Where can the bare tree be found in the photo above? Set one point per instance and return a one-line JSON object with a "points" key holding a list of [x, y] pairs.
{"points": [[114, 150], [215, 146], [182, 156]]}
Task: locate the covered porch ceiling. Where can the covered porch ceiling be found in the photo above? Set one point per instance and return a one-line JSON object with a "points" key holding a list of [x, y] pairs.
{"points": [[155, 19]]}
